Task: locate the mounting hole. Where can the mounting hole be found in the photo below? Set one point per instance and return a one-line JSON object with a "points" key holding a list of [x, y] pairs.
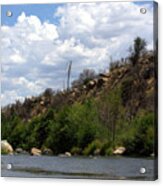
{"points": [[142, 170], [143, 10], [9, 13], [9, 166]]}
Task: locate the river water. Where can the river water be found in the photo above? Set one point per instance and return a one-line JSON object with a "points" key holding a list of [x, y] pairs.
{"points": [[77, 167]]}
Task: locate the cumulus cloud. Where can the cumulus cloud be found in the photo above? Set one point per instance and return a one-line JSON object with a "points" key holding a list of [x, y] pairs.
{"points": [[35, 54]]}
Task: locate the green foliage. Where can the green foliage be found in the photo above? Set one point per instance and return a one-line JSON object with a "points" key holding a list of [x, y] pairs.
{"points": [[73, 126], [126, 89], [84, 117], [110, 111], [76, 151], [138, 49], [98, 147], [140, 138], [61, 137], [109, 151], [92, 147]]}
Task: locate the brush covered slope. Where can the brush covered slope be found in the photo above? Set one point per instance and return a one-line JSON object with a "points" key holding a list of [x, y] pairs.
{"points": [[98, 114]]}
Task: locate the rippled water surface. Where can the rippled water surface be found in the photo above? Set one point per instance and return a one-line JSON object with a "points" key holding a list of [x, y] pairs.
{"points": [[77, 167]]}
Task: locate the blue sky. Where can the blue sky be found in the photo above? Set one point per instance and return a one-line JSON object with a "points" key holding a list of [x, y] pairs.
{"points": [[44, 11], [38, 41]]}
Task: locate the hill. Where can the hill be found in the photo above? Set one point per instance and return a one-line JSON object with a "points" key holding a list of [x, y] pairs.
{"points": [[95, 116]]}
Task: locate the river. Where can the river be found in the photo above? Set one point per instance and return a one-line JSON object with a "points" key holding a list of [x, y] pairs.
{"points": [[77, 167]]}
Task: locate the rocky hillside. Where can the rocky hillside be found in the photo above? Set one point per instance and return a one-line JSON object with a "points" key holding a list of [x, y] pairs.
{"points": [[95, 116], [138, 83]]}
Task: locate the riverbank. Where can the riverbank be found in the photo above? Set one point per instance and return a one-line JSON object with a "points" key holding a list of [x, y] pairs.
{"points": [[92, 150]]}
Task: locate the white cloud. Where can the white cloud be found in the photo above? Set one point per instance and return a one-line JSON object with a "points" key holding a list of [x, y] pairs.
{"points": [[35, 54], [17, 58], [10, 97]]}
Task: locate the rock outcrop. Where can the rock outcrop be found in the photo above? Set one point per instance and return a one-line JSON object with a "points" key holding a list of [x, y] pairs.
{"points": [[35, 152], [6, 148], [68, 154], [20, 151], [119, 151]]}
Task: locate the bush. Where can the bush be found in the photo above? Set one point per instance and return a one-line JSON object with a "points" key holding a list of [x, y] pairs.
{"points": [[76, 151], [127, 90], [109, 151], [84, 77], [106, 145], [141, 139], [62, 136], [137, 50], [114, 65], [85, 120], [92, 147]]}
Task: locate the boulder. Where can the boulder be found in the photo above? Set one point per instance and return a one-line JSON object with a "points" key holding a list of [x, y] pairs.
{"points": [[35, 152], [76, 90], [84, 87], [68, 154], [19, 150], [104, 79], [152, 155], [42, 102], [6, 148], [73, 94], [119, 151], [91, 84], [104, 75], [47, 151]]}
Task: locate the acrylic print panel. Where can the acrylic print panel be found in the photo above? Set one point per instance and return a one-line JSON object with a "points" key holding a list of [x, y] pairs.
{"points": [[79, 90]]}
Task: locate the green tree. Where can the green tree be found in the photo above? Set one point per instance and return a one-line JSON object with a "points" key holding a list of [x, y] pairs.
{"points": [[109, 111], [140, 136], [137, 50], [84, 77]]}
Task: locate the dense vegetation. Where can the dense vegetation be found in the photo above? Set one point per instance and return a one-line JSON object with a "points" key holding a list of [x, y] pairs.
{"points": [[96, 115]]}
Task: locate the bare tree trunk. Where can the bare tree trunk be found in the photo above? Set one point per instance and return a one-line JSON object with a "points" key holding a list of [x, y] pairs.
{"points": [[68, 75]]}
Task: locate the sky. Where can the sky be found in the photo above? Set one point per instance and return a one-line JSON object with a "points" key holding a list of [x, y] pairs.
{"points": [[38, 41]]}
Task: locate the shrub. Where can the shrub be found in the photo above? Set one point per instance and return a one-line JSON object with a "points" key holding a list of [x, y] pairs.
{"points": [[114, 65], [109, 151], [106, 145], [76, 151], [126, 90], [92, 147], [137, 50], [141, 139]]}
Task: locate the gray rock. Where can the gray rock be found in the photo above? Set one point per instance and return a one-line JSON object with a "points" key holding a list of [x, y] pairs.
{"points": [[152, 155], [47, 151], [18, 150]]}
